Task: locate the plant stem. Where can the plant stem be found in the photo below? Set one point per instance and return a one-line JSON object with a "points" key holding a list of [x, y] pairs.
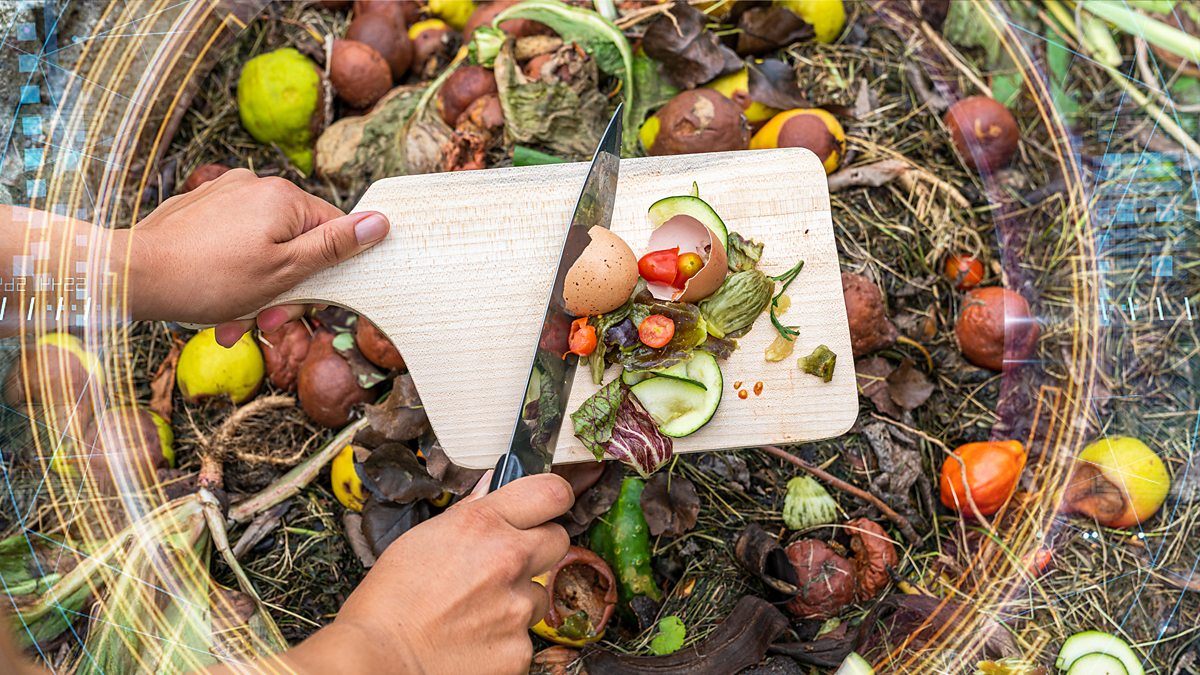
{"points": [[900, 521], [1137, 24]]}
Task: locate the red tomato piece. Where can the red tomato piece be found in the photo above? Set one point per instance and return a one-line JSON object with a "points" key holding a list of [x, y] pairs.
{"points": [[656, 331], [659, 266], [582, 340]]}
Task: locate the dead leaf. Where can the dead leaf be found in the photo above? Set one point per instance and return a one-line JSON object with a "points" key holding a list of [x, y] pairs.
{"points": [[727, 467], [877, 174], [899, 466], [401, 416], [670, 504], [394, 474], [595, 501], [690, 53], [872, 374], [761, 555], [162, 387], [352, 523], [455, 479], [384, 522], [917, 621], [908, 386], [772, 82], [765, 29]]}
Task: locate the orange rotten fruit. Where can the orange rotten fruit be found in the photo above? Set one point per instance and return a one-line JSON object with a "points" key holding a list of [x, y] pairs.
{"points": [[992, 469], [964, 271], [995, 328], [1118, 481]]}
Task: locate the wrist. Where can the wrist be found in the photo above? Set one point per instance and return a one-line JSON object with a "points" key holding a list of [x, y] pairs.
{"points": [[347, 646]]}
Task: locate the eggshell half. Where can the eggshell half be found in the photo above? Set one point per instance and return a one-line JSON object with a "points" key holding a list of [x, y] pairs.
{"points": [[603, 276], [691, 236]]}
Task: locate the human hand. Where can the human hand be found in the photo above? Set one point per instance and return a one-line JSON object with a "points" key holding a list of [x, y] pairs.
{"points": [[232, 245], [454, 594]]}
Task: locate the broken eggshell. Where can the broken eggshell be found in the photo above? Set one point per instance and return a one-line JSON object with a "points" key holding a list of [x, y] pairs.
{"points": [[691, 236], [603, 277]]}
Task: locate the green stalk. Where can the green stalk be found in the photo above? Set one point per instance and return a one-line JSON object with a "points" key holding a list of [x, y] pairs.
{"points": [[1152, 30]]}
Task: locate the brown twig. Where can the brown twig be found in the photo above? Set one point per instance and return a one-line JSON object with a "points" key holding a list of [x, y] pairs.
{"points": [[900, 521]]}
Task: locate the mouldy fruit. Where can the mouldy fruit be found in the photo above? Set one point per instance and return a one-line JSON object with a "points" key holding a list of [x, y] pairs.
{"points": [[344, 479], [484, 116], [697, 120], [995, 327], [992, 470], [360, 74], [430, 40], [125, 446], [870, 328], [1119, 481], [207, 370], [736, 87], [202, 174], [376, 347], [874, 555], [825, 580], [408, 11], [279, 102], [454, 12], [283, 353], [327, 386], [984, 132], [828, 17], [461, 89], [517, 28], [964, 271], [59, 372], [810, 128], [388, 36], [583, 597]]}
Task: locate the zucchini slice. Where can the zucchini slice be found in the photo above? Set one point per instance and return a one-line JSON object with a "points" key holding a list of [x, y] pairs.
{"points": [[677, 371], [1097, 664], [855, 665], [680, 406], [667, 208], [1091, 642]]}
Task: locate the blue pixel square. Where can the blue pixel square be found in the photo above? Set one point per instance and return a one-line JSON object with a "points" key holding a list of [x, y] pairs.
{"points": [[35, 188], [31, 125], [26, 31], [1162, 265], [31, 94], [27, 63], [69, 160], [33, 157]]}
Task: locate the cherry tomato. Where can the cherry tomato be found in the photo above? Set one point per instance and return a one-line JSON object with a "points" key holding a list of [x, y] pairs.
{"points": [[689, 264], [656, 331], [659, 266], [963, 271], [583, 338]]}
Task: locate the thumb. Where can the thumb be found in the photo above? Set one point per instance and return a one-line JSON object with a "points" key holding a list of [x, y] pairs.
{"points": [[339, 239]]}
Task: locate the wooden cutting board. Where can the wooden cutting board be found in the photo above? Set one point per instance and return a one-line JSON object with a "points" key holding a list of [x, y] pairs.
{"points": [[461, 282]]}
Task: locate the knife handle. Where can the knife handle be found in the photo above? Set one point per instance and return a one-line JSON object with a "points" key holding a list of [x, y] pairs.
{"points": [[508, 469]]}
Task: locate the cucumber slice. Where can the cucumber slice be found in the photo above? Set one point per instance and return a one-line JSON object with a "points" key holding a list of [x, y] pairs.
{"points": [[855, 665], [681, 406], [1097, 664], [677, 371], [664, 209], [1082, 644]]}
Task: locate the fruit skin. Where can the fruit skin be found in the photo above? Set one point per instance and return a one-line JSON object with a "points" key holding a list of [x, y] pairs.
{"points": [[360, 75], [1131, 473], [995, 327], [811, 128], [203, 174], [984, 132], [454, 12], [697, 120], [736, 87], [279, 102], [993, 469], [622, 538], [327, 386], [870, 328], [828, 17], [603, 593], [517, 28], [207, 370], [128, 444], [71, 371], [345, 481], [408, 11], [964, 271], [825, 580], [376, 347], [461, 89], [386, 35], [429, 39], [284, 352]]}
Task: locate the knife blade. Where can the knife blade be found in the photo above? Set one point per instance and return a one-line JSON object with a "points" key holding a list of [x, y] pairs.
{"points": [[544, 400]]}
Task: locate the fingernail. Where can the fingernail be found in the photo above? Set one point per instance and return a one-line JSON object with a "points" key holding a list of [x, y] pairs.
{"points": [[371, 229], [272, 319]]}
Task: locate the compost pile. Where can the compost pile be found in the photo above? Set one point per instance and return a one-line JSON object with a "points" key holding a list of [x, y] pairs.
{"points": [[305, 452]]}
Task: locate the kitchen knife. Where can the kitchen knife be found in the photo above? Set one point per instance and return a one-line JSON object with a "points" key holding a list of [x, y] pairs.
{"points": [[544, 400]]}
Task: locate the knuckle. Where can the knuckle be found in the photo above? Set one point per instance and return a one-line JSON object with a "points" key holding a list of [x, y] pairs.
{"points": [[555, 489], [331, 245]]}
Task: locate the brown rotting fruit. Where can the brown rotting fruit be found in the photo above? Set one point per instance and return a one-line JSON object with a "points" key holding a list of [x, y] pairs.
{"points": [[995, 327], [984, 132], [360, 74], [461, 89], [698, 120], [874, 557], [408, 11], [824, 578], [517, 28], [387, 36], [327, 386], [870, 328], [284, 351], [376, 346]]}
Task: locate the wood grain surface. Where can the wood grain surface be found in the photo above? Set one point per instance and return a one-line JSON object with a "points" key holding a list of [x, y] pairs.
{"points": [[461, 282]]}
